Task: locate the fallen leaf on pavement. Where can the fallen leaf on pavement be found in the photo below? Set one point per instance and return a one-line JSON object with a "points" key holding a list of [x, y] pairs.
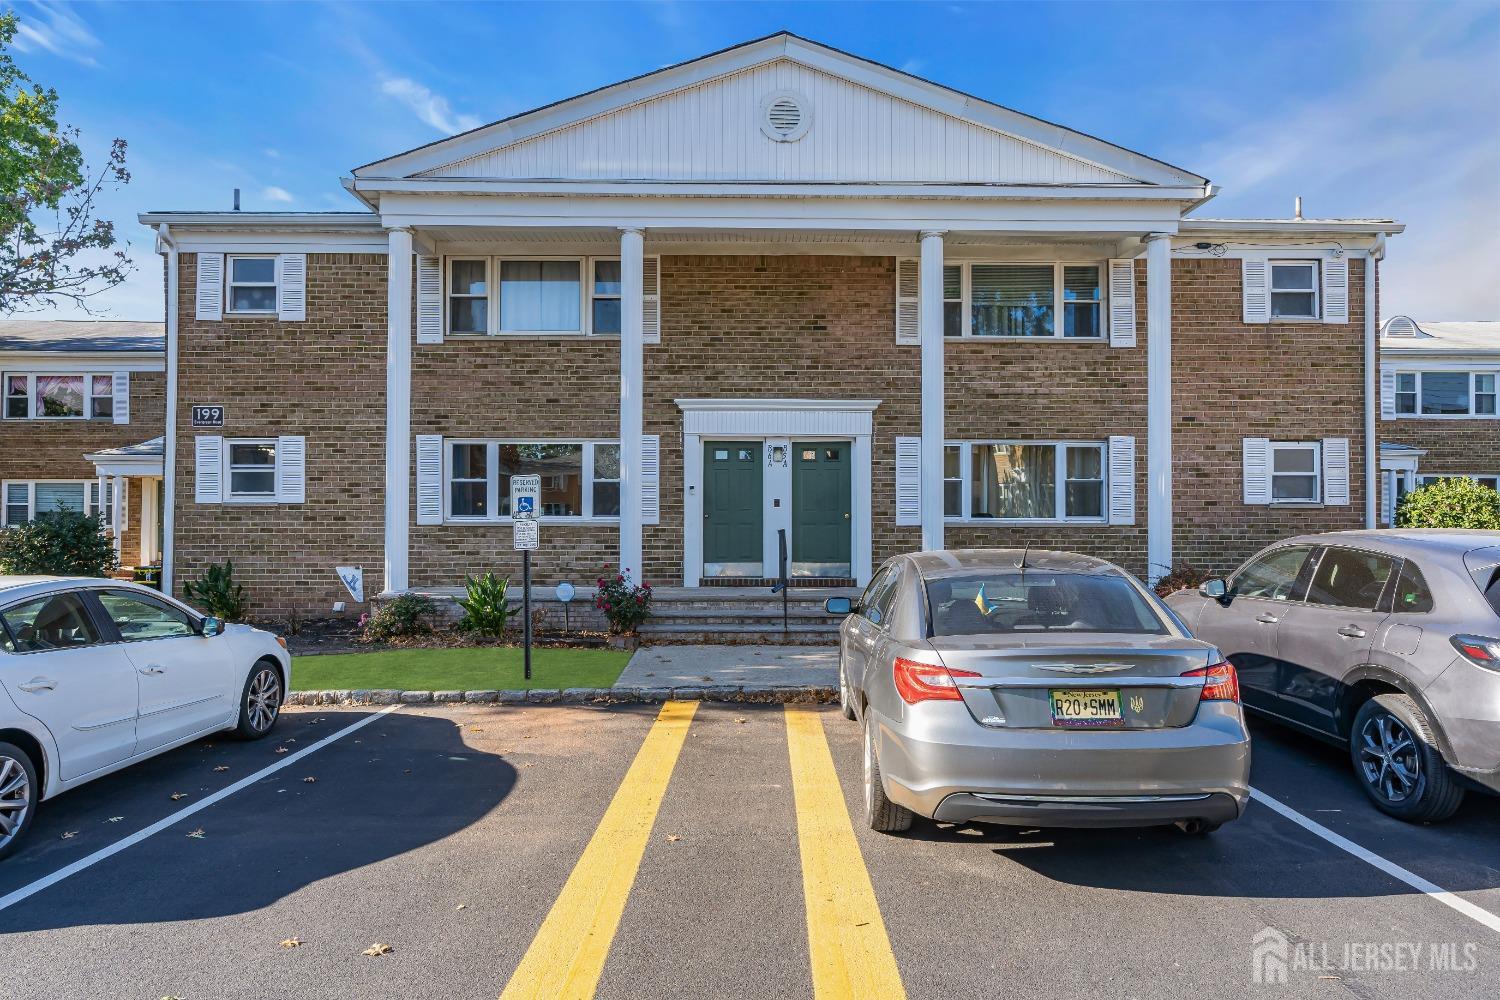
{"points": [[462, 906], [476, 729], [284, 749], [741, 720], [114, 819], [292, 942], [673, 838], [178, 795], [221, 769], [70, 834], [197, 834], [309, 779], [377, 949]]}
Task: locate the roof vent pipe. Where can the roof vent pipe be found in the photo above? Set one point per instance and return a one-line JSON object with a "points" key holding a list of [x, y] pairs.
{"points": [[237, 200], [1297, 216]]}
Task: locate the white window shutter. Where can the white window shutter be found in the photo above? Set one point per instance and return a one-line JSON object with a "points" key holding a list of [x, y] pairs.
{"points": [[1257, 463], [1336, 472], [1387, 491], [120, 405], [1122, 479], [650, 479], [430, 302], [291, 470], [908, 480], [651, 303], [429, 479], [1122, 303], [1257, 291], [1387, 393], [908, 310], [1336, 290], [210, 286], [208, 454], [291, 287]]}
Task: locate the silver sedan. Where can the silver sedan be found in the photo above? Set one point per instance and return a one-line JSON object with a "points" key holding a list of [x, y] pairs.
{"points": [[1037, 689]]}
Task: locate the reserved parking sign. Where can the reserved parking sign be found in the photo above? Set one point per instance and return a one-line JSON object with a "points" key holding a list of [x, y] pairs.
{"points": [[525, 497]]}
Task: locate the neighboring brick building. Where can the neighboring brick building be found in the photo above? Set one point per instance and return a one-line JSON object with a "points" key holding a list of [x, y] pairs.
{"points": [[84, 408], [775, 292], [1438, 412]]}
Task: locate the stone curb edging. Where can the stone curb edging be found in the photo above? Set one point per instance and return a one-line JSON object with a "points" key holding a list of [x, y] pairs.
{"points": [[808, 694]]}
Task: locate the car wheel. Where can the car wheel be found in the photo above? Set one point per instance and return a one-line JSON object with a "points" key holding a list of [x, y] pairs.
{"points": [[882, 815], [260, 703], [846, 699], [1398, 764], [19, 793]]}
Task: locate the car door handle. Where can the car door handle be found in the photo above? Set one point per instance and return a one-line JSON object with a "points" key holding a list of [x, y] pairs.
{"points": [[154, 668], [38, 684], [1352, 632], [1265, 619]]}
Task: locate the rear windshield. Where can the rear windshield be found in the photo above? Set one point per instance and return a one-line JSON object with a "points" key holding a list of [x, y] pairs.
{"points": [[1038, 601]]}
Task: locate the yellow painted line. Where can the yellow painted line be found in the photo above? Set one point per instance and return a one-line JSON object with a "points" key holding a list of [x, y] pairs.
{"points": [[567, 955], [846, 940]]}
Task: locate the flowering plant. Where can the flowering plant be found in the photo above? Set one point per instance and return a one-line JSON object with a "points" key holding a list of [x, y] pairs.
{"points": [[624, 604]]}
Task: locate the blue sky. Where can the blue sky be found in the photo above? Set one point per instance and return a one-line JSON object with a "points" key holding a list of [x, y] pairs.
{"points": [[1371, 110]]}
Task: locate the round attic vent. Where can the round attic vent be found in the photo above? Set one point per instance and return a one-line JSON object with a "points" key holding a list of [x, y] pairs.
{"points": [[1400, 326], [784, 116]]}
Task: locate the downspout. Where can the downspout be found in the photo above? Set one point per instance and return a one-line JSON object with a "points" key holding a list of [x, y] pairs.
{"points": [[169, 437], [1372, 386]]}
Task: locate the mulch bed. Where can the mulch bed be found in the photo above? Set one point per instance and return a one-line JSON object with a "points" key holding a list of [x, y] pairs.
{"points": [[341, 635]]}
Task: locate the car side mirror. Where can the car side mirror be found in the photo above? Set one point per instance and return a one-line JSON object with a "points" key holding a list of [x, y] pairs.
{"points": [[1215, 588], [839, 606], [211, 627]]}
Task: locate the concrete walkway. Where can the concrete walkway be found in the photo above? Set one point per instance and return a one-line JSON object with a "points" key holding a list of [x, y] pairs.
{"points": [[750, 666]]}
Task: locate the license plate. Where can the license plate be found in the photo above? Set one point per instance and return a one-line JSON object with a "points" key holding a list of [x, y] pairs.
{"points": [[1080, 707]]}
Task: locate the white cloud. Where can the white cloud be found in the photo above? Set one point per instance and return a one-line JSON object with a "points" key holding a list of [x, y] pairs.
{"points": [[274, 193], [53, 28], [429, 107]]}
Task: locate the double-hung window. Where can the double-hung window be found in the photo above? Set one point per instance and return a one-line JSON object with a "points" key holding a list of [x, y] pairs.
{"points": [[1493, 482], [580, 479], [24, 500], [1296, 472], [251, 283], [604, 296], [468, 296], [1294, 289], [49, 396], [1030, 300], [1025, 481], [1445, 394], [250, 471], [533, 296]]}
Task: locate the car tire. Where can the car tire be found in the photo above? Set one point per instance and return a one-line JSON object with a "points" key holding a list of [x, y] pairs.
{"points": [[846, 700], [1396, 759], [881, 814], [17, 784], [264, 693]]}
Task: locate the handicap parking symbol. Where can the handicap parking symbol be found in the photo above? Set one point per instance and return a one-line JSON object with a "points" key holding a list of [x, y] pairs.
{"points": [[525, 505]]}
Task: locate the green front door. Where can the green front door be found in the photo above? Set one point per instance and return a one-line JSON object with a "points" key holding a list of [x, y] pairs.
{"points": [[732, 508], [821, 509]]}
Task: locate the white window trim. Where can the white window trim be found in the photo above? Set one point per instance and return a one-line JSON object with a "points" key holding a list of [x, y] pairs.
{"points": [[492, 497], [90, 498], [229, 284], [249, 499], [966, 305], [449, 295], [1317, 290], [1060, 459], [1428, 478], [1419, 415], [31, 377], [1317, 449], [492, 286], [590, 296]]}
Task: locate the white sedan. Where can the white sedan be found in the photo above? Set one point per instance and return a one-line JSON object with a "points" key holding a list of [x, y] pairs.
{"points": [[98, 674]]}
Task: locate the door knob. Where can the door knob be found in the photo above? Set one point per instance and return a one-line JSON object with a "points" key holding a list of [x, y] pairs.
{"points": [[38, 684], [1352, 632], [846, 517], [1267, 619]]}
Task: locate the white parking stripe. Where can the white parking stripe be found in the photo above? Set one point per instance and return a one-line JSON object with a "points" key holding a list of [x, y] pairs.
{"points": [[48, 881], [1392, 869]]}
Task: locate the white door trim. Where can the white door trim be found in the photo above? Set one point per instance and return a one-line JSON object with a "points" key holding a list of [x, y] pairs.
{"points": [[775, 421]]}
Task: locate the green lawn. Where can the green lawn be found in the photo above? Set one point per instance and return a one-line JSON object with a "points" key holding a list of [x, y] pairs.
{"points": [[490, 669]]}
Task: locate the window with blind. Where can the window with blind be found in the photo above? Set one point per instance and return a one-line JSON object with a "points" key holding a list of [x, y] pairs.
{"points": [[1024, 300]]}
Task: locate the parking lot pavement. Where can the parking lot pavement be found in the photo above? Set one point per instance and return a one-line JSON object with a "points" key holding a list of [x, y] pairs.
{"points": [[565, 850]]}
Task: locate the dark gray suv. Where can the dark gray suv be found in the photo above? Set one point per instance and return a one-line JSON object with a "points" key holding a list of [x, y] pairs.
{"points": [[1385, 641]]}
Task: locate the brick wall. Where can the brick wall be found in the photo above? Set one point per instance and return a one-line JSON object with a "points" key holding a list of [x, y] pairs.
{"points": [[1283, 381], [323, 378]]}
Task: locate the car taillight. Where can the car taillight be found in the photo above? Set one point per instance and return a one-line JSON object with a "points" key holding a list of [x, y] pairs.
{"points": [[1220, 682], [1478, 649], [927, 681]]}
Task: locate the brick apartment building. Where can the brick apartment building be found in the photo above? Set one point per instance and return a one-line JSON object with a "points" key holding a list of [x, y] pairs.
{"points": [[776, 292], [81, 427], [1438, 413]]}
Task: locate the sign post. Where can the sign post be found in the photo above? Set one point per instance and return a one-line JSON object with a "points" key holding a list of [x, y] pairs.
{"points": [[525, 496]]}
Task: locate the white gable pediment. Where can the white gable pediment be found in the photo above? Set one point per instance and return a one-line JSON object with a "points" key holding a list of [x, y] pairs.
{"points": [[713, 131]]}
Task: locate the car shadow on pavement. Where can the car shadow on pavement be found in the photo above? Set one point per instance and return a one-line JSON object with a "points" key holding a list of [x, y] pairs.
{"points": [[396, 785]]}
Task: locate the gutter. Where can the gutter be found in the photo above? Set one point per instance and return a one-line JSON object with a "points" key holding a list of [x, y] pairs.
{"points": [[169, 442]]}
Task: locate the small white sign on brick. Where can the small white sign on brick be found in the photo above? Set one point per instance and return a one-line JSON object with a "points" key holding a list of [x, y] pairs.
{"points": [[528, 535]]}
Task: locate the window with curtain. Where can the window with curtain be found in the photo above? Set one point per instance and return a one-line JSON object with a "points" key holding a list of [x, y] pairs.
{"points": [[1014, 481], [1011, 300], [580, 479], [1047, 481], [540, 296]]}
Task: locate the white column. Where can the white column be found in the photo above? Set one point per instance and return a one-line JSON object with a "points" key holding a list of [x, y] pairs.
{"points": [[1372, 390], [169, 442], [1158, 405], [117, 513], [398, 409], [931, 327], [632, 320]]}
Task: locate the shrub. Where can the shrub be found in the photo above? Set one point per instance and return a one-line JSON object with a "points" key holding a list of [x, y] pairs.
{"points": [[624, 604], [217, 594], [58, 543], [1182, 577], [1450, 503], [399, 618], [486, 609]]}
